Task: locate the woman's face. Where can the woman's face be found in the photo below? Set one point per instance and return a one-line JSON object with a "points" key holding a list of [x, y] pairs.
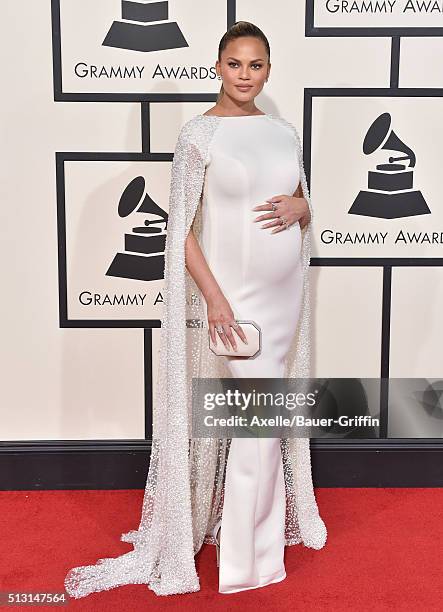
{"points": [[244, 68]]}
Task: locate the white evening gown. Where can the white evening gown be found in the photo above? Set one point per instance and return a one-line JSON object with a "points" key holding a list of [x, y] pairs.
{"points": [[252, 158]]}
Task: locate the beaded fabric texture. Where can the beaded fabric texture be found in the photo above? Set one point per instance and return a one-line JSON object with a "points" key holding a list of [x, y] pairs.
{"points": [[184, 490]]}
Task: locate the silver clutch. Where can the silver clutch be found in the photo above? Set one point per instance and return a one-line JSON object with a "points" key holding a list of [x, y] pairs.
{"points": [[252, 349]]}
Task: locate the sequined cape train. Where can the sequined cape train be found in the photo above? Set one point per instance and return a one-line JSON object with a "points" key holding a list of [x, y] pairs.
{"points": [[185, 484]]}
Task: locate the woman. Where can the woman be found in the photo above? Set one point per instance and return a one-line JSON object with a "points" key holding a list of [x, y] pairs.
{"points": [[254, 495]]}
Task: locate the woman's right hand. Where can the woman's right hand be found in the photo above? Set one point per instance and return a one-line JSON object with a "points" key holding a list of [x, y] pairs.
{"points": [[221, 315]]}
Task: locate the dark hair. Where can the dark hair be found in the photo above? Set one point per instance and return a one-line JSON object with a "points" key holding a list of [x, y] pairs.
{"points": [[239, 29]]}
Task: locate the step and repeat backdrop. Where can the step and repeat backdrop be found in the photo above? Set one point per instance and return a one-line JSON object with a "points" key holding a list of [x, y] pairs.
{"points": [[97, 94]]}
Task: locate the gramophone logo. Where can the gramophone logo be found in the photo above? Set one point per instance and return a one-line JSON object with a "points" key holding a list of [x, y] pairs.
{"points": [[390, 193], [145, 27], [144, 255]]}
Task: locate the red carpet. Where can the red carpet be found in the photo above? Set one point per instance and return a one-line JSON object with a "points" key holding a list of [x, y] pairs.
{"points": [[384, 552]]}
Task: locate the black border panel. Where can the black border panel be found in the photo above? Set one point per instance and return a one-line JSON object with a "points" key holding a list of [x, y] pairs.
{"points": [[123, 464], [368, 31], [63, 96], [61, 158], [385, 263]]}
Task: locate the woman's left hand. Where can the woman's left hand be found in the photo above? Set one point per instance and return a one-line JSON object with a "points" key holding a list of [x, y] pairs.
{"points": [[293, 209]]}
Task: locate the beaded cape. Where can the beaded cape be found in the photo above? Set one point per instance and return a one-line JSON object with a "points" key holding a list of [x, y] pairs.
{"points": [[183, 497]]}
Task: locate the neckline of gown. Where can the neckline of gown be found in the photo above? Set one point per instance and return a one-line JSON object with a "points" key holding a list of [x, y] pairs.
{"points": [[234, 116]]}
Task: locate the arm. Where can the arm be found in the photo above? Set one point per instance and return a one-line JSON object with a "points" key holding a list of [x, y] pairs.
{"points": [[305, 219], [298, 193], [187, 179], [219, 310], [188, 173], [198, 268]]}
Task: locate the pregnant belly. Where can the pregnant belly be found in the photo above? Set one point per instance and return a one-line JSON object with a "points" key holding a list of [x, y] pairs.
{"points": [[273, 258], [256, 262], [260, 274]]}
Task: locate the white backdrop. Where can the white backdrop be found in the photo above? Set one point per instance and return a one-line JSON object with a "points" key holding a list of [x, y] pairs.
{"points": [[78, 371]]}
